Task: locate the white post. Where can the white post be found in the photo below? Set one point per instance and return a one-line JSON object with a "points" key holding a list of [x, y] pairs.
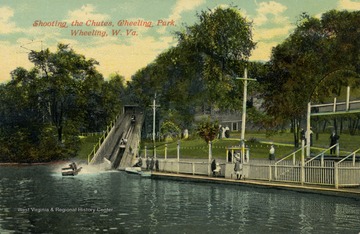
{"points": [[210, 157], [243, 119], [154, 115], [178, 151], [178, 156], [294, 160], [348, 98], [154, 112], [165, 152], [270, 174], [336, 175], [334, 107], [302, 162], [247, 155], [353, 159], [308, 130]]}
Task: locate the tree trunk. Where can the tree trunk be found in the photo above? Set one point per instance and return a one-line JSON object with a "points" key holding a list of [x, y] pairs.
{"points": [[59, 130], [295, 129], [324, 126], [341, 125]]}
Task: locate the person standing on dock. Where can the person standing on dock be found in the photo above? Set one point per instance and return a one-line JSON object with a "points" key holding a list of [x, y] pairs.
{"points": [[213, 167], [272, 153], [237, 166], [152, 163], [147, 163], [302, 133], [333, 141]]}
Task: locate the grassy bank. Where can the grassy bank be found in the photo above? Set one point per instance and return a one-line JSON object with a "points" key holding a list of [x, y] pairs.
{"points": [[87, 145], [258, 143], [198, 148]]}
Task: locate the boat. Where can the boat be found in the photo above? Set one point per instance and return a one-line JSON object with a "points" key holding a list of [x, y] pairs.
{"points": [[145, 173], [138, 171], [72, 170], [133, 170]]}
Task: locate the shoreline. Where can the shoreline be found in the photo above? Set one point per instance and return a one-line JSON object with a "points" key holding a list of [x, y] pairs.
{"points": [[314, 189], [34, 164]]}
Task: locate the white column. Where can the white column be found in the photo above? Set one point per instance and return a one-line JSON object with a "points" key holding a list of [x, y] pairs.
{"points": [[348, 98], [302, 174], [308, 125], [210, 158], [178, 151]]}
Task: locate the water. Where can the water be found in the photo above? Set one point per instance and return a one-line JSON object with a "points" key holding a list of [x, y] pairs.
{"points": [[37, 199]]}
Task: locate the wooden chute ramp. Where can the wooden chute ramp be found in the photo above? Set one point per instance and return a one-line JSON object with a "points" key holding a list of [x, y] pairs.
{"points": [[122, 143]]}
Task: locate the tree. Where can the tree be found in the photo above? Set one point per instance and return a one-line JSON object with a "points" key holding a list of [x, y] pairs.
{"points": [[313, 63], [43, 110], [200, 70], [208, 130], [223, 39], [63, 72]]}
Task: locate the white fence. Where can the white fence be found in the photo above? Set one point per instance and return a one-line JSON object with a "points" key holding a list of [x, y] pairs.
{"points": [[193, 167], [344, 174], [316, 172]]}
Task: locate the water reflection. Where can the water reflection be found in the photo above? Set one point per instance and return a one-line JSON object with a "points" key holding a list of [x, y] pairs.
{"points": [[38, 199]]}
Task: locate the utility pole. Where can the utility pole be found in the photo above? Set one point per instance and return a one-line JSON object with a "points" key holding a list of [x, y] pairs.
{"points": [[243, 119], [154, 115]]}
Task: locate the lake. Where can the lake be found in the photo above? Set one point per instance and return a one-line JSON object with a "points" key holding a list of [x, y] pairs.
{"points": [[37, 199]]}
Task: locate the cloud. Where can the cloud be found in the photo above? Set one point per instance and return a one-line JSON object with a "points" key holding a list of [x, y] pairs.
{"points": [[184, 5], [86, 12], [126, 59], [123, 58], [271, 25], [6, 26], [349, 5], [270, 12], [123, 54], [180, 7], [270, 21], [261, 34]]}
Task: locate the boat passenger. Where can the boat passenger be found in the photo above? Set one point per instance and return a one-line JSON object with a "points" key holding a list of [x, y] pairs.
{"points": [[73, 166], [133, 119], [139, 162]]}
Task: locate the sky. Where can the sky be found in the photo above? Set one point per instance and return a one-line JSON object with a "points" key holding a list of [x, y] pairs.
{"points": [[126, 35]]}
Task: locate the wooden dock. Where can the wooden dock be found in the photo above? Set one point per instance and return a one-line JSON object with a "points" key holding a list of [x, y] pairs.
{"points": [[318, 189]]}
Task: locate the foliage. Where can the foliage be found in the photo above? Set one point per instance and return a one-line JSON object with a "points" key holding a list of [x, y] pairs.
{"points": [[201, 69], [43, 110], [315, 62], [208, 130], [252, 140], [169, 128]]}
